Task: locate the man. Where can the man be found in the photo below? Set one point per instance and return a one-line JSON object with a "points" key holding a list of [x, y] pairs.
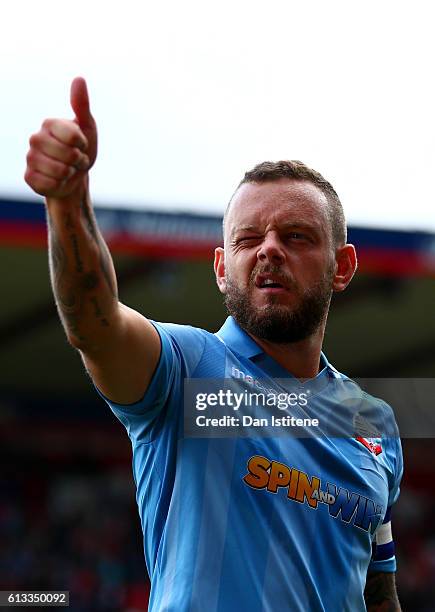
{"points": [[230, 522]]}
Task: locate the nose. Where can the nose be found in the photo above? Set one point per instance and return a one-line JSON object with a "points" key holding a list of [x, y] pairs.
{"points": [[271, 249]]}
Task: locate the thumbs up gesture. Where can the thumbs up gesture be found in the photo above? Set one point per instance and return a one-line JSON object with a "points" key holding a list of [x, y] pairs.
{"points": [[63, 150]]}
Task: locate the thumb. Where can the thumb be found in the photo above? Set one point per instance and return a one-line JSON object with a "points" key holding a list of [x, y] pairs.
{"points": [[80, 103]]}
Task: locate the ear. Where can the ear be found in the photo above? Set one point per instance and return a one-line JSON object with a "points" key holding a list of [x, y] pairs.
{"points": [[219, 268], [346, 265]]}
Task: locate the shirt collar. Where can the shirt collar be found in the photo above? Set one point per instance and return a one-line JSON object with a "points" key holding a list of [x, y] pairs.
{"points": [[234, 336]]}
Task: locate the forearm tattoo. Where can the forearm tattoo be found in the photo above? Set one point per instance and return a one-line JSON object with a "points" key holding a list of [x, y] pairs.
{"points": [[104, 251], [71, 281], [67, 298], [380, 593]]}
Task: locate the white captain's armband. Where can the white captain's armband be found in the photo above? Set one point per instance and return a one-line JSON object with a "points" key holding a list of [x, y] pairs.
{"points": [[383, 544]]}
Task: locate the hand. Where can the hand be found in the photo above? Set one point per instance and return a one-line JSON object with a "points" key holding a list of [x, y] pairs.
{"points": [[63, 150]]}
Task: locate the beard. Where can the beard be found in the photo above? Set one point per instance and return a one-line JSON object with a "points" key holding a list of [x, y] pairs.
{"points": [[277, 322]]}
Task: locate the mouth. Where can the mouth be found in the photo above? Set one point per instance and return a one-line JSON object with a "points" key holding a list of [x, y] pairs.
{"points": [[270, 283]]}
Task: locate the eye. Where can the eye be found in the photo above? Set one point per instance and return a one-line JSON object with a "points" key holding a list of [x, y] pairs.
{"points": [[247, 239], [300, 237]]}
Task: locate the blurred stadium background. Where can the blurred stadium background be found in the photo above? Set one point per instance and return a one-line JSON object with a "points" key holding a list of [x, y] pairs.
{"points": [[68, 518]]}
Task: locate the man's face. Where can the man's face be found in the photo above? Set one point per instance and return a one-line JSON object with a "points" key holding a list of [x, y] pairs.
{"points": [[279, 264]]}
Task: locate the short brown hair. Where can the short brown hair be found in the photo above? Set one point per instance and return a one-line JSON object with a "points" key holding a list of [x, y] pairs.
{"points": [[293, 169]]}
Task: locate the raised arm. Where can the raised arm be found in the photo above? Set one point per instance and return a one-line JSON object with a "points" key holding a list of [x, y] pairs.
{"points": [[120, 347]]}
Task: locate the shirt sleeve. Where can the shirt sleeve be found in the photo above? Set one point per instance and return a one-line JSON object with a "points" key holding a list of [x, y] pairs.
{"points": [[383, 555], [181, 349]]}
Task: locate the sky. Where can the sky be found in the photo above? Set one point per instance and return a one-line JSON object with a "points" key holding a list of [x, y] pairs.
{"points": [[189, 95]]}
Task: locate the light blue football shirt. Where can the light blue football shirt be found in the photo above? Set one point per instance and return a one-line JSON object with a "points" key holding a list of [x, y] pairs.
{"points": [[255, 523]]}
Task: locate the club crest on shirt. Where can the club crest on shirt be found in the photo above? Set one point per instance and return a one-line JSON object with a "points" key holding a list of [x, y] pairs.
{"points": [[372, 444], [367, 435]]}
